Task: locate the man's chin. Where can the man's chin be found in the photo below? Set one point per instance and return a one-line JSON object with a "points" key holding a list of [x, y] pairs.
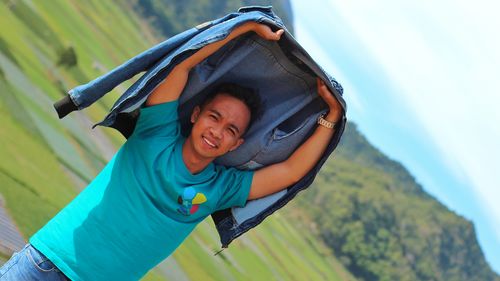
{"points": [[214, 154], [208, 153]]}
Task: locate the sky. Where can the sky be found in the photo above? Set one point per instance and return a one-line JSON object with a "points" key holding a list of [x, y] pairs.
{"points": [[420, 81]]}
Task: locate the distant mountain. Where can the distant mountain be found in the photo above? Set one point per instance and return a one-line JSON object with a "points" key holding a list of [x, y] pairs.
{"points": [[172, 17], [382, 226]]}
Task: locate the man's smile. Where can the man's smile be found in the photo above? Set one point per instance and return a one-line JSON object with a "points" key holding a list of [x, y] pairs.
{"points": [[210, 143]]}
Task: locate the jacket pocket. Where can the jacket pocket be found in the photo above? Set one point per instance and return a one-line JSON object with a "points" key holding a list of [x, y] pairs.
{"points": [[285, 130], [286, 138]]}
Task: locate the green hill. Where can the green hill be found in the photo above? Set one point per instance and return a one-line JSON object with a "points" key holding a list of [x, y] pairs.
{"points": [[382, 226]]}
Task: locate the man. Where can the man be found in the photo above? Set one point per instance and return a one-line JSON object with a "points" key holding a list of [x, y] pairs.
{"points": [[159, 186]]}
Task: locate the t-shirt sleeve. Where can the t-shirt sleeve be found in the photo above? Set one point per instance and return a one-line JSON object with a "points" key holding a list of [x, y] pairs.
{"points": [[157, 120], [236, 188]]}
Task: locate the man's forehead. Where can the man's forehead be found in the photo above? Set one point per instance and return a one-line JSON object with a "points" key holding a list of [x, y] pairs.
{"points": [[230, 108]]}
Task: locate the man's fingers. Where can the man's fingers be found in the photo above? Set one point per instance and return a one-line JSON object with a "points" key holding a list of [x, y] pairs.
{"points": [[322, 87], [265, 32], [279, 33], [325, 93], [275, 35], [329, 98]]}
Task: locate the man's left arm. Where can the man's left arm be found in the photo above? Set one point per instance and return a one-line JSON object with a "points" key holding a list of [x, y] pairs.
{"points": [[303, 159]]}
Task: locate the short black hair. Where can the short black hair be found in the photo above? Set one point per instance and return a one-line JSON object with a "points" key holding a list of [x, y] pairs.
{"points": [[247, 95]]}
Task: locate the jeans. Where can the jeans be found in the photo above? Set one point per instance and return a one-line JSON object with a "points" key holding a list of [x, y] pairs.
{"points": [[30, 265]]}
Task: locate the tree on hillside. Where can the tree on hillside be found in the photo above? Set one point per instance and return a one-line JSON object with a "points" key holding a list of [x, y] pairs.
{"points": [[67, 57]]}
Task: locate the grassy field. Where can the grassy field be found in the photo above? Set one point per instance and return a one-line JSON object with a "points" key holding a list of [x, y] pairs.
{"points": [[46, 160]]}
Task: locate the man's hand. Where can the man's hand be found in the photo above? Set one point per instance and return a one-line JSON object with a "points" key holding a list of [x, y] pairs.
{"points": [[336, 110], [265, 31]]}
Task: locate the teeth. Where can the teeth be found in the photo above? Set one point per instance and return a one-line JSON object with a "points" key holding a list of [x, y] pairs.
{"points": [[211, 144]]}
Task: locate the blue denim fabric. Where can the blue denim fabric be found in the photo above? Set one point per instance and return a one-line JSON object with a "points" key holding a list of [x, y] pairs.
{"points": [[162, 57], [281, 72], [30, 265]]}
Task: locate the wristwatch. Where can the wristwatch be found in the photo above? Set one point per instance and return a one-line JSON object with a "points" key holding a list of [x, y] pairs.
{"points": [[325, 123]]}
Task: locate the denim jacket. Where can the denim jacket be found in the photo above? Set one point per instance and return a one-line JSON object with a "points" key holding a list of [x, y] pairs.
{"points": [[281, 72]]}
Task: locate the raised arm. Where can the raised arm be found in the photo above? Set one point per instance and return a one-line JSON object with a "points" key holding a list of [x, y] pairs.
{"points": [[303, 159], [173, 85]]}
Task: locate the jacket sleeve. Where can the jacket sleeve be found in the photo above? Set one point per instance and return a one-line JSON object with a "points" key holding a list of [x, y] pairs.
{"points": [[84, 95]]}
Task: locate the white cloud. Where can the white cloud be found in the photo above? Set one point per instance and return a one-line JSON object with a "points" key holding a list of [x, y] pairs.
{"points": [[452, 89], [444, 58], [312, 46]]}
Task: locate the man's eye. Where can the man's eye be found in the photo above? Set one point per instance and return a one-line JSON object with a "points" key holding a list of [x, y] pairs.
{"points": [[232, 132], [213, 117]]}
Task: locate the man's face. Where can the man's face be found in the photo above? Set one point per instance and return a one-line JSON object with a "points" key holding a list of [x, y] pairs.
{"points": [[218, 127]]}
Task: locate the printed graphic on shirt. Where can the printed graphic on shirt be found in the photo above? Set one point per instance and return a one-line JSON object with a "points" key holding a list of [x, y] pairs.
{"points": [[190, 201]]}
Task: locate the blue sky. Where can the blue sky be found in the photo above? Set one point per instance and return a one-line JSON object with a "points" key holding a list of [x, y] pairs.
{"points": [[420, 80]]}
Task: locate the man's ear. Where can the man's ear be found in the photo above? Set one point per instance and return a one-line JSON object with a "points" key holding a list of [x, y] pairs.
{"points": [[239, 142], [195, 114]]}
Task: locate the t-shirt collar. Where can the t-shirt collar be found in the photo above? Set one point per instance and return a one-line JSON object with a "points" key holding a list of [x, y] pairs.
{"points": [[204, 174]]}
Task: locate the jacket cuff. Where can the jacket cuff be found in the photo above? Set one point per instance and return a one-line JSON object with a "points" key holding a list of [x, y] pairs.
{"points": [[64, 106]]}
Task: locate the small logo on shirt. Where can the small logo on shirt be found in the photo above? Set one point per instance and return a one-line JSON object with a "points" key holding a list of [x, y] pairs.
{"points": [[190, 201]]}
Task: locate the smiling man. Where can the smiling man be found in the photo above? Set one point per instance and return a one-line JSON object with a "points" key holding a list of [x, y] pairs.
{"points": [[219, 123], [160, 185]]}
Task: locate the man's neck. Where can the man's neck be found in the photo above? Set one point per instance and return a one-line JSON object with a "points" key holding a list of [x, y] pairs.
{"points": [[193, 162]]}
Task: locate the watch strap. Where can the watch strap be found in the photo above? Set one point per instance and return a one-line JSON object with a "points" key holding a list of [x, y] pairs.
{"points": [[325, 123]]}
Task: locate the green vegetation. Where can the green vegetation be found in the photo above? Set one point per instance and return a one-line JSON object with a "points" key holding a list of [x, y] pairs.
{"points": [[30, 174], [67, 57], [382, 226], [171, 17]]}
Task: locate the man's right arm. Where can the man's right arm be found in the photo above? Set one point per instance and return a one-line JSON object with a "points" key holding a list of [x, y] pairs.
{"points": [[173, 85]]}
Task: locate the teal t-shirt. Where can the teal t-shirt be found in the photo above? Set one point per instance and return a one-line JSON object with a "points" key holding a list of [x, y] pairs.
{"points": [[140, 207]]}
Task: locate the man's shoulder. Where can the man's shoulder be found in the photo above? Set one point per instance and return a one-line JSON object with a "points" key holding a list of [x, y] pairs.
{"points": [[158, 120], [226, 173]]}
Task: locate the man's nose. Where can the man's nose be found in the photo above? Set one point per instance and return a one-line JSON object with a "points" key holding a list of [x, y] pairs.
{"points": [[217, 131]]}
